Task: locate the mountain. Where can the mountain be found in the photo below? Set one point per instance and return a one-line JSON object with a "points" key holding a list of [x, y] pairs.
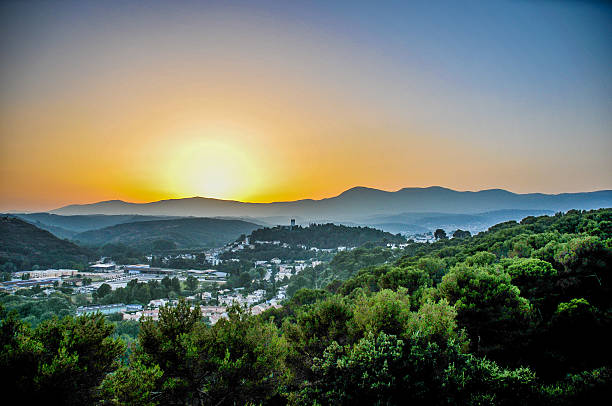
{"points": [[23, 245], [355, 204], [182, 233]]}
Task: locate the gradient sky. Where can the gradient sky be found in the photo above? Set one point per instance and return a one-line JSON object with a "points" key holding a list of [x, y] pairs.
{"points": [[265, 101]]}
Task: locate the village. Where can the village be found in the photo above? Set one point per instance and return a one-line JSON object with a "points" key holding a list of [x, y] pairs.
{"points": [[212, 289]]}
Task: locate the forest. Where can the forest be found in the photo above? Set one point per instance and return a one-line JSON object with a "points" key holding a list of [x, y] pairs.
{"points": [[24, 246], [519, 314], [326, 236]]}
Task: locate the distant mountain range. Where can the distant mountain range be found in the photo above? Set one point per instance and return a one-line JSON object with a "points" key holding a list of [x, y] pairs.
{"points": [[409, 211], [355, 204]]}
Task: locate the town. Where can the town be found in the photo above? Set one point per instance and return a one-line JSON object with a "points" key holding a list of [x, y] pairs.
{"points": [[237, 273]]}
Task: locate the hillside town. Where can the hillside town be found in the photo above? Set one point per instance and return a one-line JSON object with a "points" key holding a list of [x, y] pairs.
{"points": [[212, 289]]}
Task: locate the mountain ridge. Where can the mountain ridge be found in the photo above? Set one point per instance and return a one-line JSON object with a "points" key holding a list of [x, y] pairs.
{"points": [[355, 203]]}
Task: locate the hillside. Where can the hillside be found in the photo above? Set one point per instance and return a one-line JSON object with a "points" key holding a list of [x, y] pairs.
{"points": [[182, 233], [69, 226], [23, 245], [326, 236], [517, 315], [356, 204]]}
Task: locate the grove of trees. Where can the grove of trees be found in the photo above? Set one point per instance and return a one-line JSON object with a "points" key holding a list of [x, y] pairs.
{"points": [[518, 315]]}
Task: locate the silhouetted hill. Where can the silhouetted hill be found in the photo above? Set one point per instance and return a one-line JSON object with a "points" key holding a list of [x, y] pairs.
{"points": [[183, 232], [357, 203], [23, 245]]}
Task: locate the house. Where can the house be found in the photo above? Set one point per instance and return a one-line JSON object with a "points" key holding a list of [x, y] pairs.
{"points": [[158, 303]]}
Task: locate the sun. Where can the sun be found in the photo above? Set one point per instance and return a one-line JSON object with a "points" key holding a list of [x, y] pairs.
{"points": [[211, 166]]}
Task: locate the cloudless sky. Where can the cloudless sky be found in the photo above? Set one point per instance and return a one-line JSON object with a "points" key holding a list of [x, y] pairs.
{"points": [[266, 101]]}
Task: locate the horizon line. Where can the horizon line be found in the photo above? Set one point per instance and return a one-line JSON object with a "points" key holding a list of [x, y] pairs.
{"points": [[16, 211]]}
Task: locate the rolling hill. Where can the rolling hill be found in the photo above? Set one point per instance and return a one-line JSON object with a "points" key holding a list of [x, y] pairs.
{"points": [[326, 236], [24, 245], [183, 233]]}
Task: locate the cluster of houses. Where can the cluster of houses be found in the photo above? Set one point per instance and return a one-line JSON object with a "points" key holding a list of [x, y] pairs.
{"points": [[396, 246], [212, 313], [227, 297]]}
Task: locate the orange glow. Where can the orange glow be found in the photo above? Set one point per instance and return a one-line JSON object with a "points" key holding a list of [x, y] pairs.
{"points": [[239, 105]]}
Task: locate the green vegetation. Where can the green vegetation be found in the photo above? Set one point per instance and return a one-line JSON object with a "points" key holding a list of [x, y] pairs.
{"points": [[264, 252], [520, 314], [326, 236], [136, 292], [168, 234], [60, 361], [33, 311], [24, 246]]}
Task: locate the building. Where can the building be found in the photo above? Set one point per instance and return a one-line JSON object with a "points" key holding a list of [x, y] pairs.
{"points": [[136, 268], [153, 314], [14, 285], [158, 302], [133, 308], [49, 273], [104, 309], [103, 267]]}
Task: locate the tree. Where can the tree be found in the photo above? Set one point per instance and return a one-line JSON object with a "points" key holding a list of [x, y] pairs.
{"points": [[240, 360], [461, 234], [61, 360], [488, 306], [192, 282], [161, 344], [236, 361], [440, 234], [132, 385], [103, 290]]}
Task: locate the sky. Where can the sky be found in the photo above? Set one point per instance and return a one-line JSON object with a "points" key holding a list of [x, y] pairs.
{"points": [[272, 101]]}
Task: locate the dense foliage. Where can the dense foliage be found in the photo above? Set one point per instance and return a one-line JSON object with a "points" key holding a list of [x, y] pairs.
{"points": [[62, 361], [36, 310], [173, 233], [24, 246], [326, 236], [520, 314], [135, 292]]}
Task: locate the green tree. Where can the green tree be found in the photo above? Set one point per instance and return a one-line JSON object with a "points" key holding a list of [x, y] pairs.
{"points": [[103, 290], [461, 234], [440, 234], [488, 306], [62, 361], [192, 282]]}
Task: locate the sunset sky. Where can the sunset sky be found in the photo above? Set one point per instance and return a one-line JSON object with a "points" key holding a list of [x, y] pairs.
{"points": [[267, 101]]}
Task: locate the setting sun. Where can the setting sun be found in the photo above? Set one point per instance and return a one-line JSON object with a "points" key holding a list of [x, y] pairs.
{"points": [[209, 163]]}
